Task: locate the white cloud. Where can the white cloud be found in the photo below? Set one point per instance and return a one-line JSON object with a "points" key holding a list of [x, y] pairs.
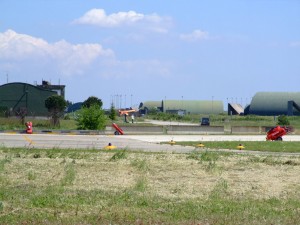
{"points": [[295, 44], [196, 35], [69, 58], [32, 57], [99, 17], [18, 46]]}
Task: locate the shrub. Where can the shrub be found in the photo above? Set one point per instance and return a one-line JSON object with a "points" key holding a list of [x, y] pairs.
{"points": [[92, 118], [283, 120]]}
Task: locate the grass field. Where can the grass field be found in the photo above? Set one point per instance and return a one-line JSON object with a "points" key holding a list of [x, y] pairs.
{"points": [[122, 187], [267, 146]]}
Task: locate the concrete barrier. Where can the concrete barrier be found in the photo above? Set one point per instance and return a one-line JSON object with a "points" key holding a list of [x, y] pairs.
{"points": [[245, 130], [178, 129], [143, 129], [266, 129], [158, 130]]}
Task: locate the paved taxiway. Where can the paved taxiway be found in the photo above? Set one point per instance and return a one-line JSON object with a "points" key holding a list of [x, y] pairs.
{"points": [[151, 143]]}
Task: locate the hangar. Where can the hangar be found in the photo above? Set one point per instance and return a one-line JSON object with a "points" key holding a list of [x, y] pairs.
{"points": [[263, 104], [22, 98], [274, 103], [145, 107], [183, 107]]}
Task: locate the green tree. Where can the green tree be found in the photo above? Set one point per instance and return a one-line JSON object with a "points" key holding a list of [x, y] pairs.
{"points": [[112, 112], [283, 120], [56, 105], [153, 111], [91, 118], [92, 100]]}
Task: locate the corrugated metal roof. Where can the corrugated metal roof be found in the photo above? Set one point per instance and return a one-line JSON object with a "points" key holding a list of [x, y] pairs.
{"points": [[151, 104], [273, 103], [194, 106]]}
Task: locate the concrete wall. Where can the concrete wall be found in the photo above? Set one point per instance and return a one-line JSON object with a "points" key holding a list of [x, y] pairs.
{"points": [[159, 130], [179, 129], [194, 130], [245, 130], [143, 129], [173, 129]]}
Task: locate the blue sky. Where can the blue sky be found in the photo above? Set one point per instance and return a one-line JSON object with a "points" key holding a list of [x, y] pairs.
{"points": [[142, 50]]}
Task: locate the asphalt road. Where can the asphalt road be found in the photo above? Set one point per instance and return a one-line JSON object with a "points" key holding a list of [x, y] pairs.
{"points": [[150, 143]]}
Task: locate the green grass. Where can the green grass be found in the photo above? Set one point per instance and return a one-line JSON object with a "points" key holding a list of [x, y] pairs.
{"points": [[131, 208], [225, 120], [119, 155], [269, 146], [39, 124]]}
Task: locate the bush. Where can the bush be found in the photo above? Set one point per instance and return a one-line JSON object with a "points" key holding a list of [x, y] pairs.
{"points": [[91, 118], [283, 120], [167, 116]]}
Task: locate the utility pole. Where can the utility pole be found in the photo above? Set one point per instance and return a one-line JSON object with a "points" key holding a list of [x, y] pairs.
{"points": [[212, 104]]}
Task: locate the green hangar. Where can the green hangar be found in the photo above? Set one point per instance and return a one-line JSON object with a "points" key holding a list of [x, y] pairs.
{"points": [[183, 106], [22, 98], [146, 107], [274, 103]]}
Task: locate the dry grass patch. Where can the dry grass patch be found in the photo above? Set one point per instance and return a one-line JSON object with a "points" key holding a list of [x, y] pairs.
{"points": [[105, 187]]}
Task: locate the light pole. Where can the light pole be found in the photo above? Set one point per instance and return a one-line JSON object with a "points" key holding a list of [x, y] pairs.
{"points": [[212, 104], [125, 102], [117, 101]]}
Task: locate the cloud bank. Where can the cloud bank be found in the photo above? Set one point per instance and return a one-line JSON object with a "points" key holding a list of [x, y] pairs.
{"points": [[69, 58], [35, 56]]}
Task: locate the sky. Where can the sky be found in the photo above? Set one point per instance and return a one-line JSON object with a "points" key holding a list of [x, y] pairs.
{"points": [[131, 51]]}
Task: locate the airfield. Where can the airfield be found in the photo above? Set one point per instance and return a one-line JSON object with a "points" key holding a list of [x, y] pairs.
{"points": [[147, 143]]}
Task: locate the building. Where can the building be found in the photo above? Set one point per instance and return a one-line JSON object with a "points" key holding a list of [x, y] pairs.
{"points": [[235, 109], [274, 104], [22, 98], [146, 107], [59, 89], [182, 107]]}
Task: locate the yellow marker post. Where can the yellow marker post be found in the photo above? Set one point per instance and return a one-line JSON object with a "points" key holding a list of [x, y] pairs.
{"points": [[200, 145], [172, 142], [110, 147], [240, 147]]}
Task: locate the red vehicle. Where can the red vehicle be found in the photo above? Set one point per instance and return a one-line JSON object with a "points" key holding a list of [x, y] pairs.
{"points": [[118, 129], [276, 133]]}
